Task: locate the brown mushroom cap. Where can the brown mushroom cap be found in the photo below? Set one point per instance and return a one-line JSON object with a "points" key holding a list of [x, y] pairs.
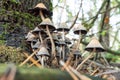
{"points": [[35, 11], [94, 44], [43, 52], [79, 29], [47, 22], [62, 27]]}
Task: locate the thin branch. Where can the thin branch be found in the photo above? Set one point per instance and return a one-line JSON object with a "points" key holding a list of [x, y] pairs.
{"points": [[95, 18], [76, 16]]}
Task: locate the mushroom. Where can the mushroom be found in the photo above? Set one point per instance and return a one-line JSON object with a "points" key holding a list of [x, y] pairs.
{"points": [[48, 25], [39, 33], [77, 56], [62, 50], [67, 40], [79, 30], [36, 45], [64, 29], [93, 46], [40, 9], [43, 54]]}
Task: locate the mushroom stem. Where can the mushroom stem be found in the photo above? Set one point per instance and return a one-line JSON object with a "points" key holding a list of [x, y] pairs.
{"points": [[80, 65], [76, 61], [63, 52], [42, 61], [41, 15], [41, 39], [52, 42], [78, 45]]}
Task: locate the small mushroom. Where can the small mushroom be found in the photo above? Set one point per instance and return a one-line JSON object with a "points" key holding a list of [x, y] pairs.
{"points": [[36, 45], [62, 49], [43, 54], [64, 29], [48, 25], [39, 33], [40, 9], [93, 46], [29, 35], [79, 30], [77, 56], [67, 40]]}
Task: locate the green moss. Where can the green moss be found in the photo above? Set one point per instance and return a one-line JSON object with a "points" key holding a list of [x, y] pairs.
{"points": [[10, 54]]}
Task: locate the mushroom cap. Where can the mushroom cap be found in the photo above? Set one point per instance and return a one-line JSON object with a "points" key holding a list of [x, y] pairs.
{"points": [[61, 43], [29, 40], [30, 35], [47, 22], [37, 30], [36, 46], [43, 52], [76, 53], [79, 29], [67, 40], [94, 44], [38, 7], [63, 27]]}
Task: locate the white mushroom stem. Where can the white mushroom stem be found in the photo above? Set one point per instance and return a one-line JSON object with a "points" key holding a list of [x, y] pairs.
{"points": [[42, 61], [76, 61], [63, 47], [31, 44], [52, 42], [63, 35], [80, 65], [40, 37], [63, 52], [41, 15], [79, 40]]}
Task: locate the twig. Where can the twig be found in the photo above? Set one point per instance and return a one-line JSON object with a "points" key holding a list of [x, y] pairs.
{"points": [[76, 16], [82, 77], [80, 65], [108, 72], [28, 58], [68, 70]]}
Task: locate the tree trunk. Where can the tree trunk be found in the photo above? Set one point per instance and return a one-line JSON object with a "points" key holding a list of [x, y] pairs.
{"points": [[15, 22]]}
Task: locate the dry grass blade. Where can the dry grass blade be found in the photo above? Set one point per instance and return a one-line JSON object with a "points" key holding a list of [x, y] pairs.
{"points": [[80, 65], [82, 77], [25, 61], [68, 70], [32, 60]]}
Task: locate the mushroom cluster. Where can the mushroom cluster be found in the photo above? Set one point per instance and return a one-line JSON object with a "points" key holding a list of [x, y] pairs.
{"points": [[50, 44]]}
